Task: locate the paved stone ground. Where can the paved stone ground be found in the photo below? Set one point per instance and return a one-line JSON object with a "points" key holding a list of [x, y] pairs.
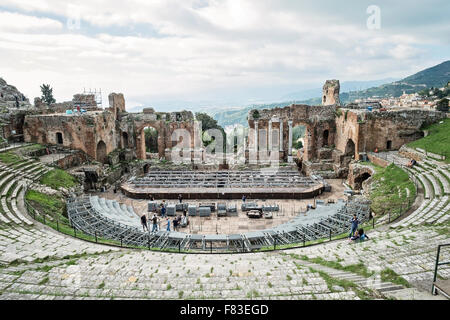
{"points": [[241, 224], [37, 262], [70, 268]]}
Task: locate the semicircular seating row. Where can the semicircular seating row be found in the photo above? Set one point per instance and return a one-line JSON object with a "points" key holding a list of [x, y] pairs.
{"points": [[434, 178], [111, 209], [13, 178], [229, 179], [109, 219]]}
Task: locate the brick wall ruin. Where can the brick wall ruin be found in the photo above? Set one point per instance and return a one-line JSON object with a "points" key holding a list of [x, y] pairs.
{"points": [[334, 136], [98, 133]]}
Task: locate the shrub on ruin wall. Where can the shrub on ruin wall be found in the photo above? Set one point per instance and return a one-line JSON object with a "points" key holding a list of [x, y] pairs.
{"points": [[58, 178]]}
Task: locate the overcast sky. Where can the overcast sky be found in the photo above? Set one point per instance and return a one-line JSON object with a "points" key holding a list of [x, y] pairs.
{"points": [[214, 51]]}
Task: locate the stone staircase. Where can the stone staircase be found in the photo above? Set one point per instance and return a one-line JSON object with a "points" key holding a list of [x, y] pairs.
{"points": [[39, 263], [14, 179], [434, 178]]}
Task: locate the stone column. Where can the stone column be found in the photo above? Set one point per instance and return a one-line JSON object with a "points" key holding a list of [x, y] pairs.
{"points": [[281, 135], [256, 136], [269, 138], [290, 159]]}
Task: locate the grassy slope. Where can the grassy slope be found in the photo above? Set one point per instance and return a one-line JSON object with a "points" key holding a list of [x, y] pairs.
{"points": [[438, 140], [57, 178], [49, 205], [9, 157], [386, 185]]}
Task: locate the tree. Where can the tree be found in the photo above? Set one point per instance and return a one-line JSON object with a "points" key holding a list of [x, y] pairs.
{"points": [[297, 145], [298, 132], [209, 123], [151, 140], [47, 94]]}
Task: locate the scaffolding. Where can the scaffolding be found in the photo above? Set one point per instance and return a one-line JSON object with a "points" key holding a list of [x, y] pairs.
{"points": [[81, 100]]}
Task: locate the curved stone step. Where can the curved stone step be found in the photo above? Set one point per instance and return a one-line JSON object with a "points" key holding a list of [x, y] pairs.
{"points": [[8, 187], [19, 214], [5, 180], [8, 212], [434, 183]]}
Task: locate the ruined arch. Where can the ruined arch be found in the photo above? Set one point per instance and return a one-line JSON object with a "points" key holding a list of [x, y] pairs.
{"points": [[140, 138], [151, 139], [307, 136], [360, 179], [389, 145], [124, 140], [59, 138], [350, 148], [325, 137], [101, 154], [299, 136]]}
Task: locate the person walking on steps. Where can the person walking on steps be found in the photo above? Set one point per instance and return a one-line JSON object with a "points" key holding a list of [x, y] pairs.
{"points": [[355, 223], [155, 223], [168, 224], [144, 222]]}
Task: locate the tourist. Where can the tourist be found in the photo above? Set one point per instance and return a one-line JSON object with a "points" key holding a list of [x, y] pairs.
{"points": [[144, 222], [163, 210], [180, 198], [354, 237], [362, 235], [155, 223], [355, 223], [168, 224], [175, 223], [184, 220], [412, 163]]}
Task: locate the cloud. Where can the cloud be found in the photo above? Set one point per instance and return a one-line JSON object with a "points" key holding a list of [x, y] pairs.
{"points": [[189, 49], [14, 22]]}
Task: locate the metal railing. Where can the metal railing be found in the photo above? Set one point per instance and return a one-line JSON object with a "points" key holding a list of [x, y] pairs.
{"points": [[436, 266], [404, 206]]}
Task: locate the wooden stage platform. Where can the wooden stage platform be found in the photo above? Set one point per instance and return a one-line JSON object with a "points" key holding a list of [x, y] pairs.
{"points": [[222, 193]]}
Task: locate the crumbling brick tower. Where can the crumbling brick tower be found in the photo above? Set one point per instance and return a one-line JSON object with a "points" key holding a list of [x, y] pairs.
{"points": [[331, 93]]}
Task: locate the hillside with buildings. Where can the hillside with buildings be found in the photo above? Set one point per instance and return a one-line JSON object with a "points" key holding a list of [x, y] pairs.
{"points": [[402, 93]]}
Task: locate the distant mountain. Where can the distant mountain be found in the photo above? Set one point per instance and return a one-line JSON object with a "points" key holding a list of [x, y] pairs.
{"points": [[239, 116], [436, 76], [346, 86]]}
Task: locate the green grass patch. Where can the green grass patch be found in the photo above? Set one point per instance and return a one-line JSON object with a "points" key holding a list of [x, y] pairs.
{"points": [[31, 148], [388, 192], [359, 268], [346, 284], [9, 157], [437, 141], [389, 275], [49, 205], [44, 281], [253, 294], [57, 178]]}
